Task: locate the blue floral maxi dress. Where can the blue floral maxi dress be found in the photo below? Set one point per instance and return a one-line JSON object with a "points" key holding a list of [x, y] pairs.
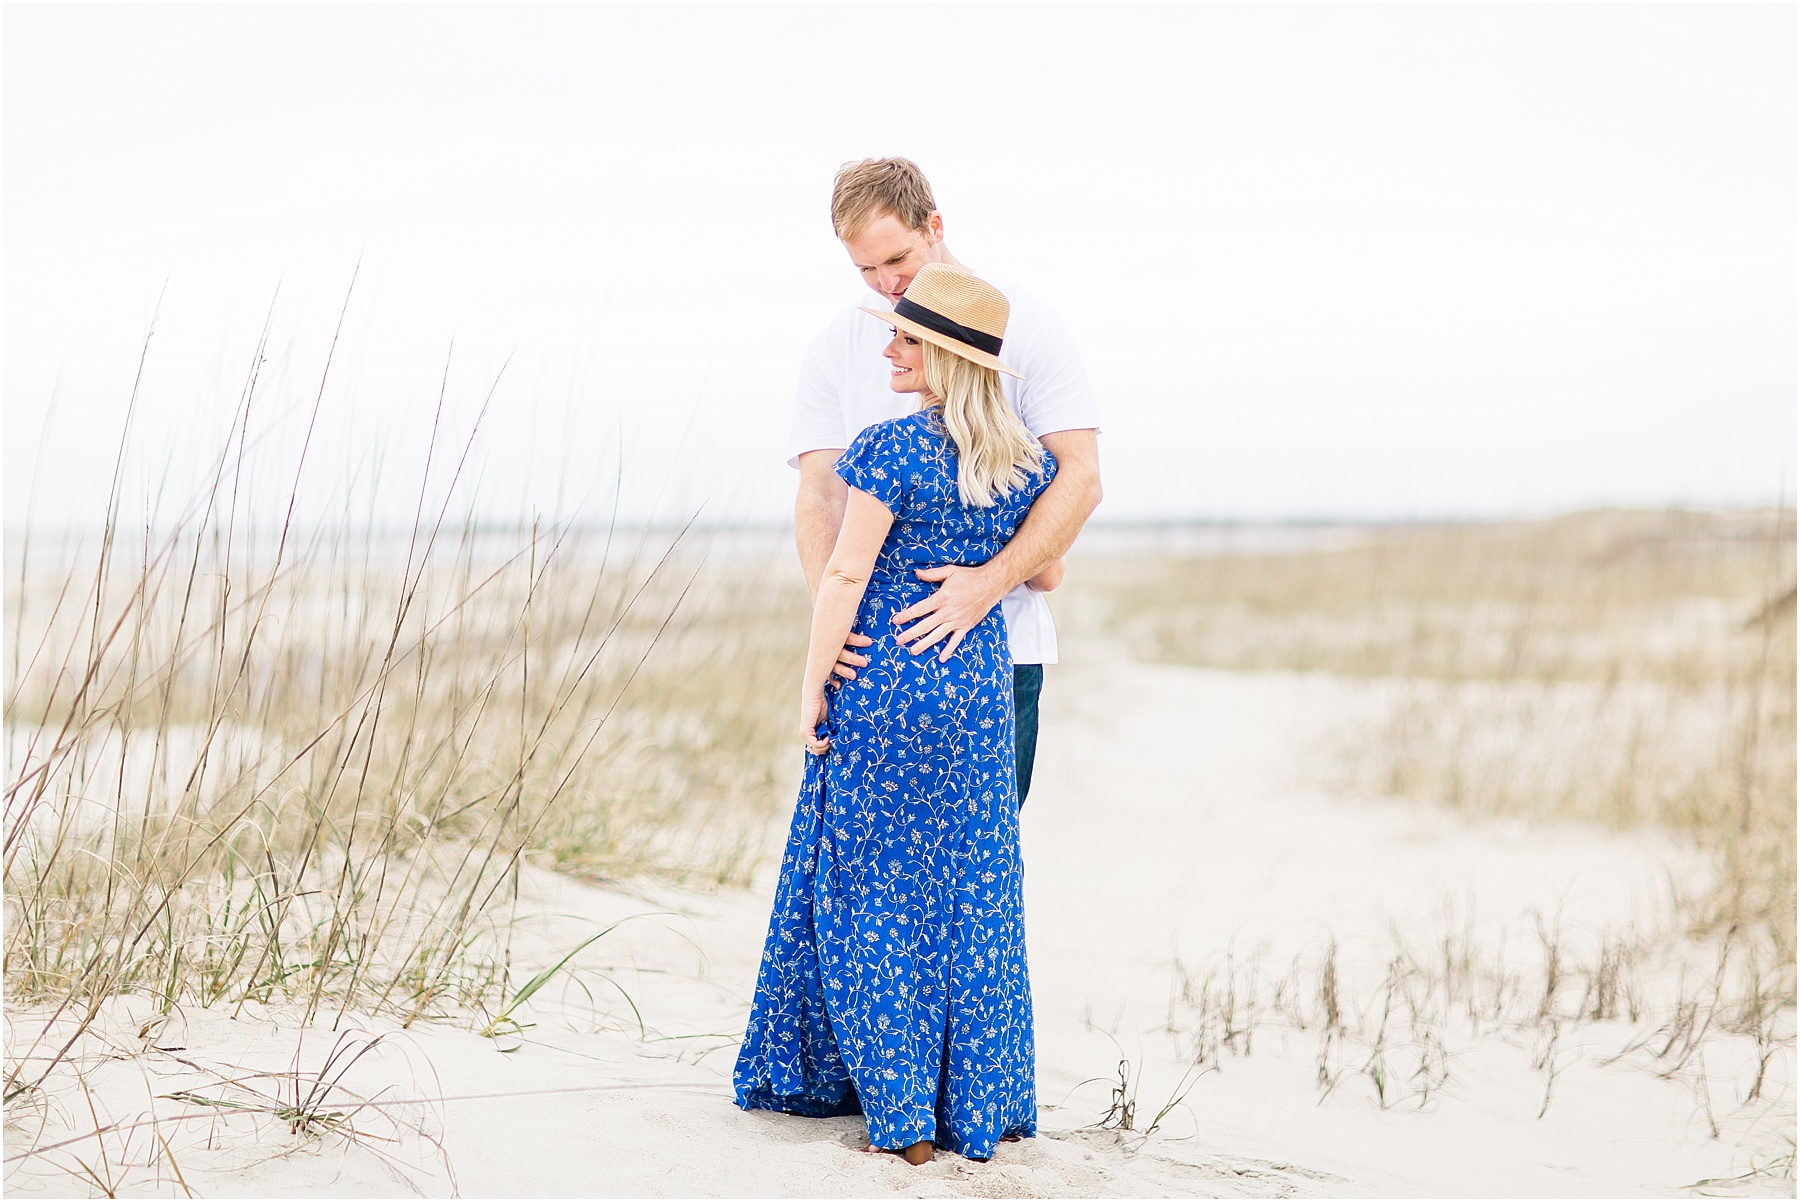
{"points": [[893, 980]]}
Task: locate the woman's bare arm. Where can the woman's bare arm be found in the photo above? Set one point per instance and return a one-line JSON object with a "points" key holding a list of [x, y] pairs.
{"points": [[841, 586]]}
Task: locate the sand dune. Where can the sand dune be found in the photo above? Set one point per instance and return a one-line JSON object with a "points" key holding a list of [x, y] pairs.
{"points": [[1172, 834]]}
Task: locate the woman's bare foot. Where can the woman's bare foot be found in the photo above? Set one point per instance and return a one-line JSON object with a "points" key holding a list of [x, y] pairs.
{"points": [[914, 1154]]}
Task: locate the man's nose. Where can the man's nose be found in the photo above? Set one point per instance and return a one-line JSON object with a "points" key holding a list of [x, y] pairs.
{"points": [[893, 285]]}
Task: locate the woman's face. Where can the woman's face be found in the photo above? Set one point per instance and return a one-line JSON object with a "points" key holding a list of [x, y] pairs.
{"points": [[907, 355]]}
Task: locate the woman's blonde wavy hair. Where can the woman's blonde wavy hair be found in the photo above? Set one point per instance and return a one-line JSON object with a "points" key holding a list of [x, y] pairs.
{"points": [[995, 452]]}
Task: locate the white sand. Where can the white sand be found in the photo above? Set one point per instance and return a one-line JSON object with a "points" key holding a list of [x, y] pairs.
{"points": [[1169, 818]]}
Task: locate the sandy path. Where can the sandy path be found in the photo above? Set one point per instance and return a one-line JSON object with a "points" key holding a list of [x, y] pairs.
{"points": [[1170, 818]]}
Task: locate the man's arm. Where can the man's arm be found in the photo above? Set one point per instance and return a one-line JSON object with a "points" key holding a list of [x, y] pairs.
{"points": [[818, 512], [965, 594], [1049, 579], [818, 519]]}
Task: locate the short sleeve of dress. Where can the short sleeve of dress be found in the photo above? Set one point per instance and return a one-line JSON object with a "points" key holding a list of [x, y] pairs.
{"points": [[1047, 462], [875, 463]]}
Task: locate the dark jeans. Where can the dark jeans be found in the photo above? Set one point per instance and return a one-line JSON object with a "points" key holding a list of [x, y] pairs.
{"points": [[1028, 682]]}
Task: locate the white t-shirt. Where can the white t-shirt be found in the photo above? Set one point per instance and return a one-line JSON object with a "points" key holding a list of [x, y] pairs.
{"points": [[844, 389]]}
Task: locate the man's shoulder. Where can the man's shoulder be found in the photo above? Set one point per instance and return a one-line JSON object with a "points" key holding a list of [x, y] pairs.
{"points": [[1055, 394], [1027, 311], [1037, 339]]}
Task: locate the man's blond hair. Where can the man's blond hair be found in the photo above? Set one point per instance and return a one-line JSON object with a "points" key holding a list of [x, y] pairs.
{"points": [[863, 191]]}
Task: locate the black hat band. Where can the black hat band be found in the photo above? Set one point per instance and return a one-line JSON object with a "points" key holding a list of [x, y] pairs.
{"points": [[939, 324]]}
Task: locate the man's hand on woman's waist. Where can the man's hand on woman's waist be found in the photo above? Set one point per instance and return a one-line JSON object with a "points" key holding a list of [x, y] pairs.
{"points": [[964, 596]]}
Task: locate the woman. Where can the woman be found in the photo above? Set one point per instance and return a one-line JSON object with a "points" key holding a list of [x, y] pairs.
{"points": [[893, 981]]}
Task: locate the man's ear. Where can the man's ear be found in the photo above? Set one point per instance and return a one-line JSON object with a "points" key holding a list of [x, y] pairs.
{"points": [[935, 223]]}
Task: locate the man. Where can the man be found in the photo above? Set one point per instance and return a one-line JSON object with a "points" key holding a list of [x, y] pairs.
{"points": [[884, 214]]}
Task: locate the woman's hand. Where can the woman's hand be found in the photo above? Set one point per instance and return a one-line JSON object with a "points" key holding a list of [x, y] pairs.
{"points": [[812, 712]]}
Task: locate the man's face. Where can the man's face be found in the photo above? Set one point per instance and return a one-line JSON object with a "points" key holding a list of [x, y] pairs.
{"points": [[888, 255]]}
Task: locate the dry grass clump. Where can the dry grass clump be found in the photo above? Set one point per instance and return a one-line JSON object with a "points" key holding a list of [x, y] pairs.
{"points": [[1627, 668], [138, 1112], [1398, 1019]]}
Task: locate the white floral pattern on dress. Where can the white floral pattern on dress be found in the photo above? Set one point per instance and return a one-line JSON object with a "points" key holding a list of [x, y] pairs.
{"points": [[893, 980]]}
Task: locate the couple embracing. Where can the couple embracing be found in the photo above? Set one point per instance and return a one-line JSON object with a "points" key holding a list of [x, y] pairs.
{"points": [[946, 441]]}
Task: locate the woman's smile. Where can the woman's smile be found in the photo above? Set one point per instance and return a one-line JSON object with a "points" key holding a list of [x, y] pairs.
{"points": [[907, 354]]}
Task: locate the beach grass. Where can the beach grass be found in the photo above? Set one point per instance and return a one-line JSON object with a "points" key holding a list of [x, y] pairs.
{"points": [[256, 759], [236, 781], [1628, 668]]}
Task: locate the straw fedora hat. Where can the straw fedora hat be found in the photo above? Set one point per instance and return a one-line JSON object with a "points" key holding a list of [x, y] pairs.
{"points": [[948, 307]]}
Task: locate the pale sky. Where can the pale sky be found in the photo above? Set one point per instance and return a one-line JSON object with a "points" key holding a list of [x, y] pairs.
{"points": [[1337, 261]]}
